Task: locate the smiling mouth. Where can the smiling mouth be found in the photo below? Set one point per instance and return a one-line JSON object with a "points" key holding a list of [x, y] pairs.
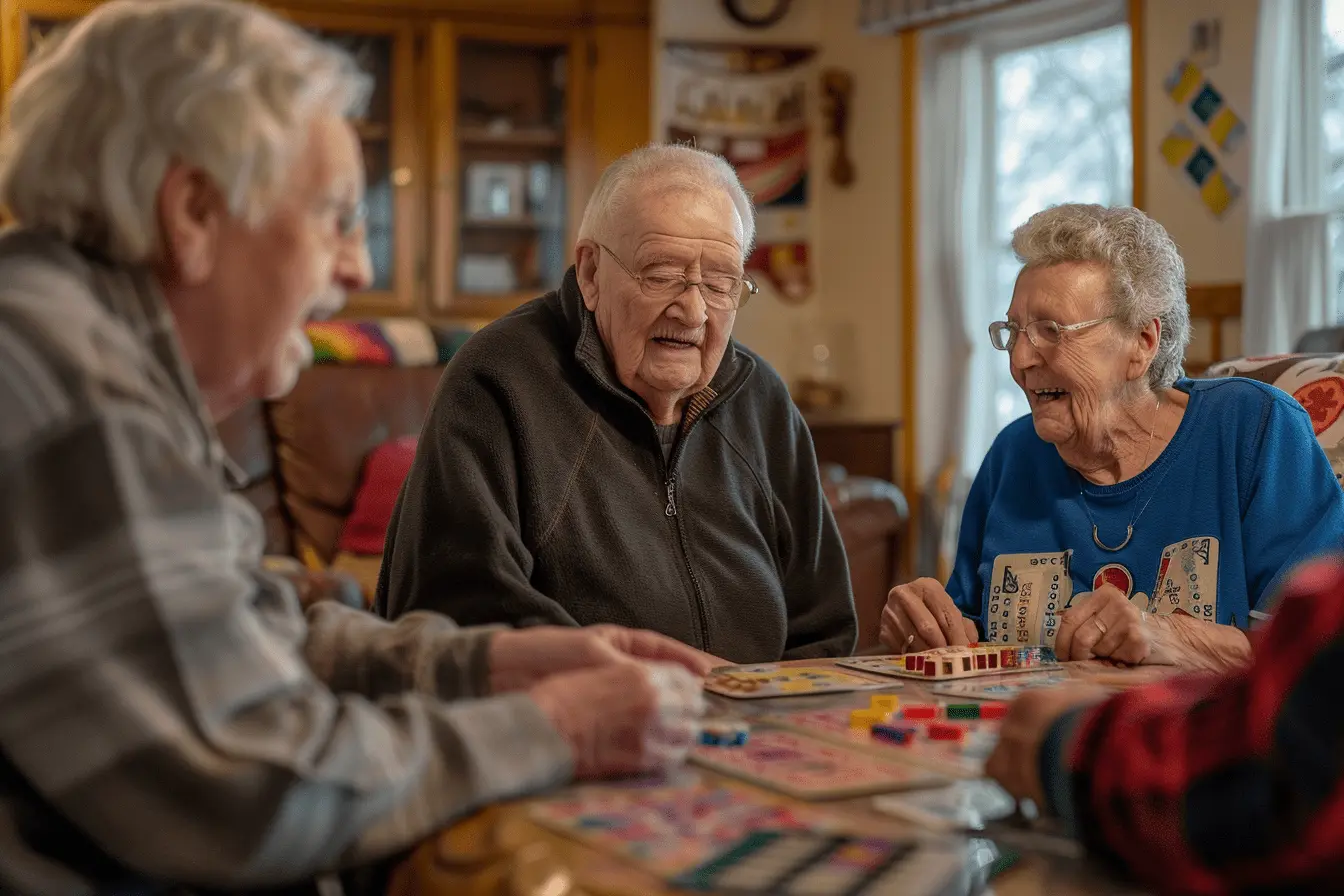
{"points": [[1046, 396], [672, 342]]}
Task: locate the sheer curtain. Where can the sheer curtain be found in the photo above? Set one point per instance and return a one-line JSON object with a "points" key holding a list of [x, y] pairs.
{"points": [[1288, 267], [958, 294]]}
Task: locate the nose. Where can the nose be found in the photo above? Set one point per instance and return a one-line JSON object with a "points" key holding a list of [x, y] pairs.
{"points": [[1023, 354], [690, 308], [354, 267]]}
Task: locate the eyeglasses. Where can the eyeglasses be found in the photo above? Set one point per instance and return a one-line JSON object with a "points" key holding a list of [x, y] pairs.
{"points": [[1041, 333], [722, 291]]}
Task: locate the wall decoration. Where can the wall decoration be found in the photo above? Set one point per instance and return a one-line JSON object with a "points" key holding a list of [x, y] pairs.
{"points": [[748, 103], [1189, 158], [1206, 42], [496, 191], [1188, 86], [837, 86]]}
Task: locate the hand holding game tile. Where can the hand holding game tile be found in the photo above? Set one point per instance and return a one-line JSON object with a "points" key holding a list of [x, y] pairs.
{"points": [[920, 615], [1015, 762], [629, 718], [521, 658], [1104, 623]]}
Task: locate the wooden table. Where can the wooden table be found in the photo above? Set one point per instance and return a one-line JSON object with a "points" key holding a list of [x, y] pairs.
{"points": [[501, 852]]}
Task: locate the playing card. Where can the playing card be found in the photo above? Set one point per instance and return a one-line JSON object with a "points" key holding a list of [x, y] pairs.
{"points": [[1187, 579], [1027, 594]]}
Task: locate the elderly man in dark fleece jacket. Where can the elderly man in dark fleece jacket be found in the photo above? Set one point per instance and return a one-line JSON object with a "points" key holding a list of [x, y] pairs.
{"points": [[607, 453]]}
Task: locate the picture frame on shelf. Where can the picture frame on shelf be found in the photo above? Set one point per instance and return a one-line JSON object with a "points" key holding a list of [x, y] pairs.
{"points": [[496, 191]]}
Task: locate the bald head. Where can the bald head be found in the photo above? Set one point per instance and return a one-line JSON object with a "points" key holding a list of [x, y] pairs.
{"points": [[654, 171]]}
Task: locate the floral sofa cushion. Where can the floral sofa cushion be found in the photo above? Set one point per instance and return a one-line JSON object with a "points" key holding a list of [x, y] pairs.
{"points": [[1316, 381]]}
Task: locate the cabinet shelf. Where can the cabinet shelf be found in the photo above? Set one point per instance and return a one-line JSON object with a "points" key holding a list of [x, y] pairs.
{"points": [[538, 138]]}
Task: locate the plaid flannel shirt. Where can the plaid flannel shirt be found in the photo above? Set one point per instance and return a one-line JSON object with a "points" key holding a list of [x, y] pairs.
{"points": [[167, 713], [1231, 784]]}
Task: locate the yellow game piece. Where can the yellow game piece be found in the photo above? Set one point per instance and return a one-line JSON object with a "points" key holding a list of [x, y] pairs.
{"points": [[865, 719], [885, 703]]}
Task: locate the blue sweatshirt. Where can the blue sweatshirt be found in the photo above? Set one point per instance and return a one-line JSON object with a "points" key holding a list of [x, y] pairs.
{"points": [[1242, 493]]}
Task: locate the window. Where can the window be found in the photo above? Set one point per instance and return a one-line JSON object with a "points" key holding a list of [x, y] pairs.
{"points": [[1060, 132], [1332, 27]]}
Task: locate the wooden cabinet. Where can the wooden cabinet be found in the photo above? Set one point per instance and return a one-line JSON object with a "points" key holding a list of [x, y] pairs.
{"points": [[489, 123]]}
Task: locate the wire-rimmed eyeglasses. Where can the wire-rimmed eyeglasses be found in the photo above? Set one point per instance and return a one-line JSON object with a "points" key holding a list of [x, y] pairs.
{"points": [[1041, 333], [722, 291]]}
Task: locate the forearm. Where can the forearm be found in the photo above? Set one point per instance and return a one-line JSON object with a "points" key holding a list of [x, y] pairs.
{"points": [[1199, 646], [357, 652]]}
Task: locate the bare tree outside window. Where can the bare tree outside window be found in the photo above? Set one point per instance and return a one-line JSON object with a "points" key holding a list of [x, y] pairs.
{"points": [[1061, 133]]}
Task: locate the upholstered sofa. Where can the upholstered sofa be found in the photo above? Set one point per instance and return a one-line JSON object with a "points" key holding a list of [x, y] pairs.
{"points": [[306, 458]]}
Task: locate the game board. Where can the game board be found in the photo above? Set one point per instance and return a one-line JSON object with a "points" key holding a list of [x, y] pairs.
{"points": [[802, 863], [943, 663], [776, 680], [668, 828], [964, 758], [811, 769], [1002, 688]]}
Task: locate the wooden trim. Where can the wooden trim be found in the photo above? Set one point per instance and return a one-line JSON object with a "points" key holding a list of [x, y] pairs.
{"points": [[1215, 303], [908, 190], [1138, 104], [444, 186]]}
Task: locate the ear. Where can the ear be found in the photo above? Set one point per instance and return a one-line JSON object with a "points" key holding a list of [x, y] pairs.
{"points": [[1145, 349], [192, 214], [586, 252]]}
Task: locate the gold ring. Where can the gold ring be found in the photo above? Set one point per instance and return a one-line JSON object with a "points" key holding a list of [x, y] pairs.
{"points": [[1100, 625]]}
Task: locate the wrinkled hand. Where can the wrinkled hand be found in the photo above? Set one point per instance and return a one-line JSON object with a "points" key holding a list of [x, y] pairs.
{"points": [[1015, 762], [630, 718], [1104, 623], [922, 608], [520, 659]]}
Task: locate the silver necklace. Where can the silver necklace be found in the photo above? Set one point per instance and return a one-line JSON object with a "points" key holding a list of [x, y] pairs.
{"points": [[1129, 530]]}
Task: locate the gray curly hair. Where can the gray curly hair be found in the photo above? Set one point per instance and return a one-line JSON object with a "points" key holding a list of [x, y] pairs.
{"points": [[1146, 270]]}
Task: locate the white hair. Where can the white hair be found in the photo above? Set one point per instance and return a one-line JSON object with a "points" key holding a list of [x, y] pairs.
{"points": [[97, 116], [668, 166], [1147, 274]]}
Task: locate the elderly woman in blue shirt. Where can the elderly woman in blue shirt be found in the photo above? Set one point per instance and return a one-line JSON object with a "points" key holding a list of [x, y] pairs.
{"points": [[1135, 514]]}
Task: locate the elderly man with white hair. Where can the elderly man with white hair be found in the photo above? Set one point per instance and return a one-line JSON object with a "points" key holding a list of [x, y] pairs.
{"points": [[188, 191], [607, 453]]}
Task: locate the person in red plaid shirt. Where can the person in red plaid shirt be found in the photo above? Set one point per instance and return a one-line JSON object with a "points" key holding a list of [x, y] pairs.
{"points": [[1205, 783]]}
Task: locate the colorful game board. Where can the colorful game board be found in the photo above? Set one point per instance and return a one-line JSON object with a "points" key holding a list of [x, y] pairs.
{"points": [[811, 769], [963, 758], [943, 663], [800, 863], [776, 680], [1002, 688], [668, 829]]}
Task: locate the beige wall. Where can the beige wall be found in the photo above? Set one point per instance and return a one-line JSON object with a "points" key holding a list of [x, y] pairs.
{"points": [[855, 230]]}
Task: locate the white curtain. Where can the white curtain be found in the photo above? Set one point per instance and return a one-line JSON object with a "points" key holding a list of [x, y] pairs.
{"points": [[1288, 267], [951, 157]]}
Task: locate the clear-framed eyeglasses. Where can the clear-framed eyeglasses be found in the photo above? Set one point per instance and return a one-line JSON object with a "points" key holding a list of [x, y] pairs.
{"points": [[1041, 333], [724, 292]]}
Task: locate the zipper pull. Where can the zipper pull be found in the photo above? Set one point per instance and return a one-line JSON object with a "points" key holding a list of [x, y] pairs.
{"points": [[671, 509]]}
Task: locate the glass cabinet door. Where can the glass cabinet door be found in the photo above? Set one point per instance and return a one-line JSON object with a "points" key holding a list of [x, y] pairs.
{"points": [[387, 134], [511, 176]]}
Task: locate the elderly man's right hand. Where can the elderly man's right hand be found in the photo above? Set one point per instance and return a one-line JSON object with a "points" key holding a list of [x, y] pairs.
{"points": [[920, 615], [631, 718]]}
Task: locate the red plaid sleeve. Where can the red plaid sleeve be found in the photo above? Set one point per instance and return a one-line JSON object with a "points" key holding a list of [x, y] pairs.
{"points": [[1215, 785]]}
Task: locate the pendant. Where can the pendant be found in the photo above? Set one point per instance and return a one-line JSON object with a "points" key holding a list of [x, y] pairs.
{"points": [[1129, 533]]}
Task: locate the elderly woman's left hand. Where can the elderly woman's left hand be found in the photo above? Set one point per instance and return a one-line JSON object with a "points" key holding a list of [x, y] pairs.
{"points": [[1104, 623]]}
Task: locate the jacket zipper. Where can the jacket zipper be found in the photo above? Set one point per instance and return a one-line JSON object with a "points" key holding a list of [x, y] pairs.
{"points": [[697, 596]]}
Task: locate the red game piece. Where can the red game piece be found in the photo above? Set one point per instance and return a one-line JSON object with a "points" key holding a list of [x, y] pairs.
{"points": [[993, 710], [945, 732], [916, 711]]}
